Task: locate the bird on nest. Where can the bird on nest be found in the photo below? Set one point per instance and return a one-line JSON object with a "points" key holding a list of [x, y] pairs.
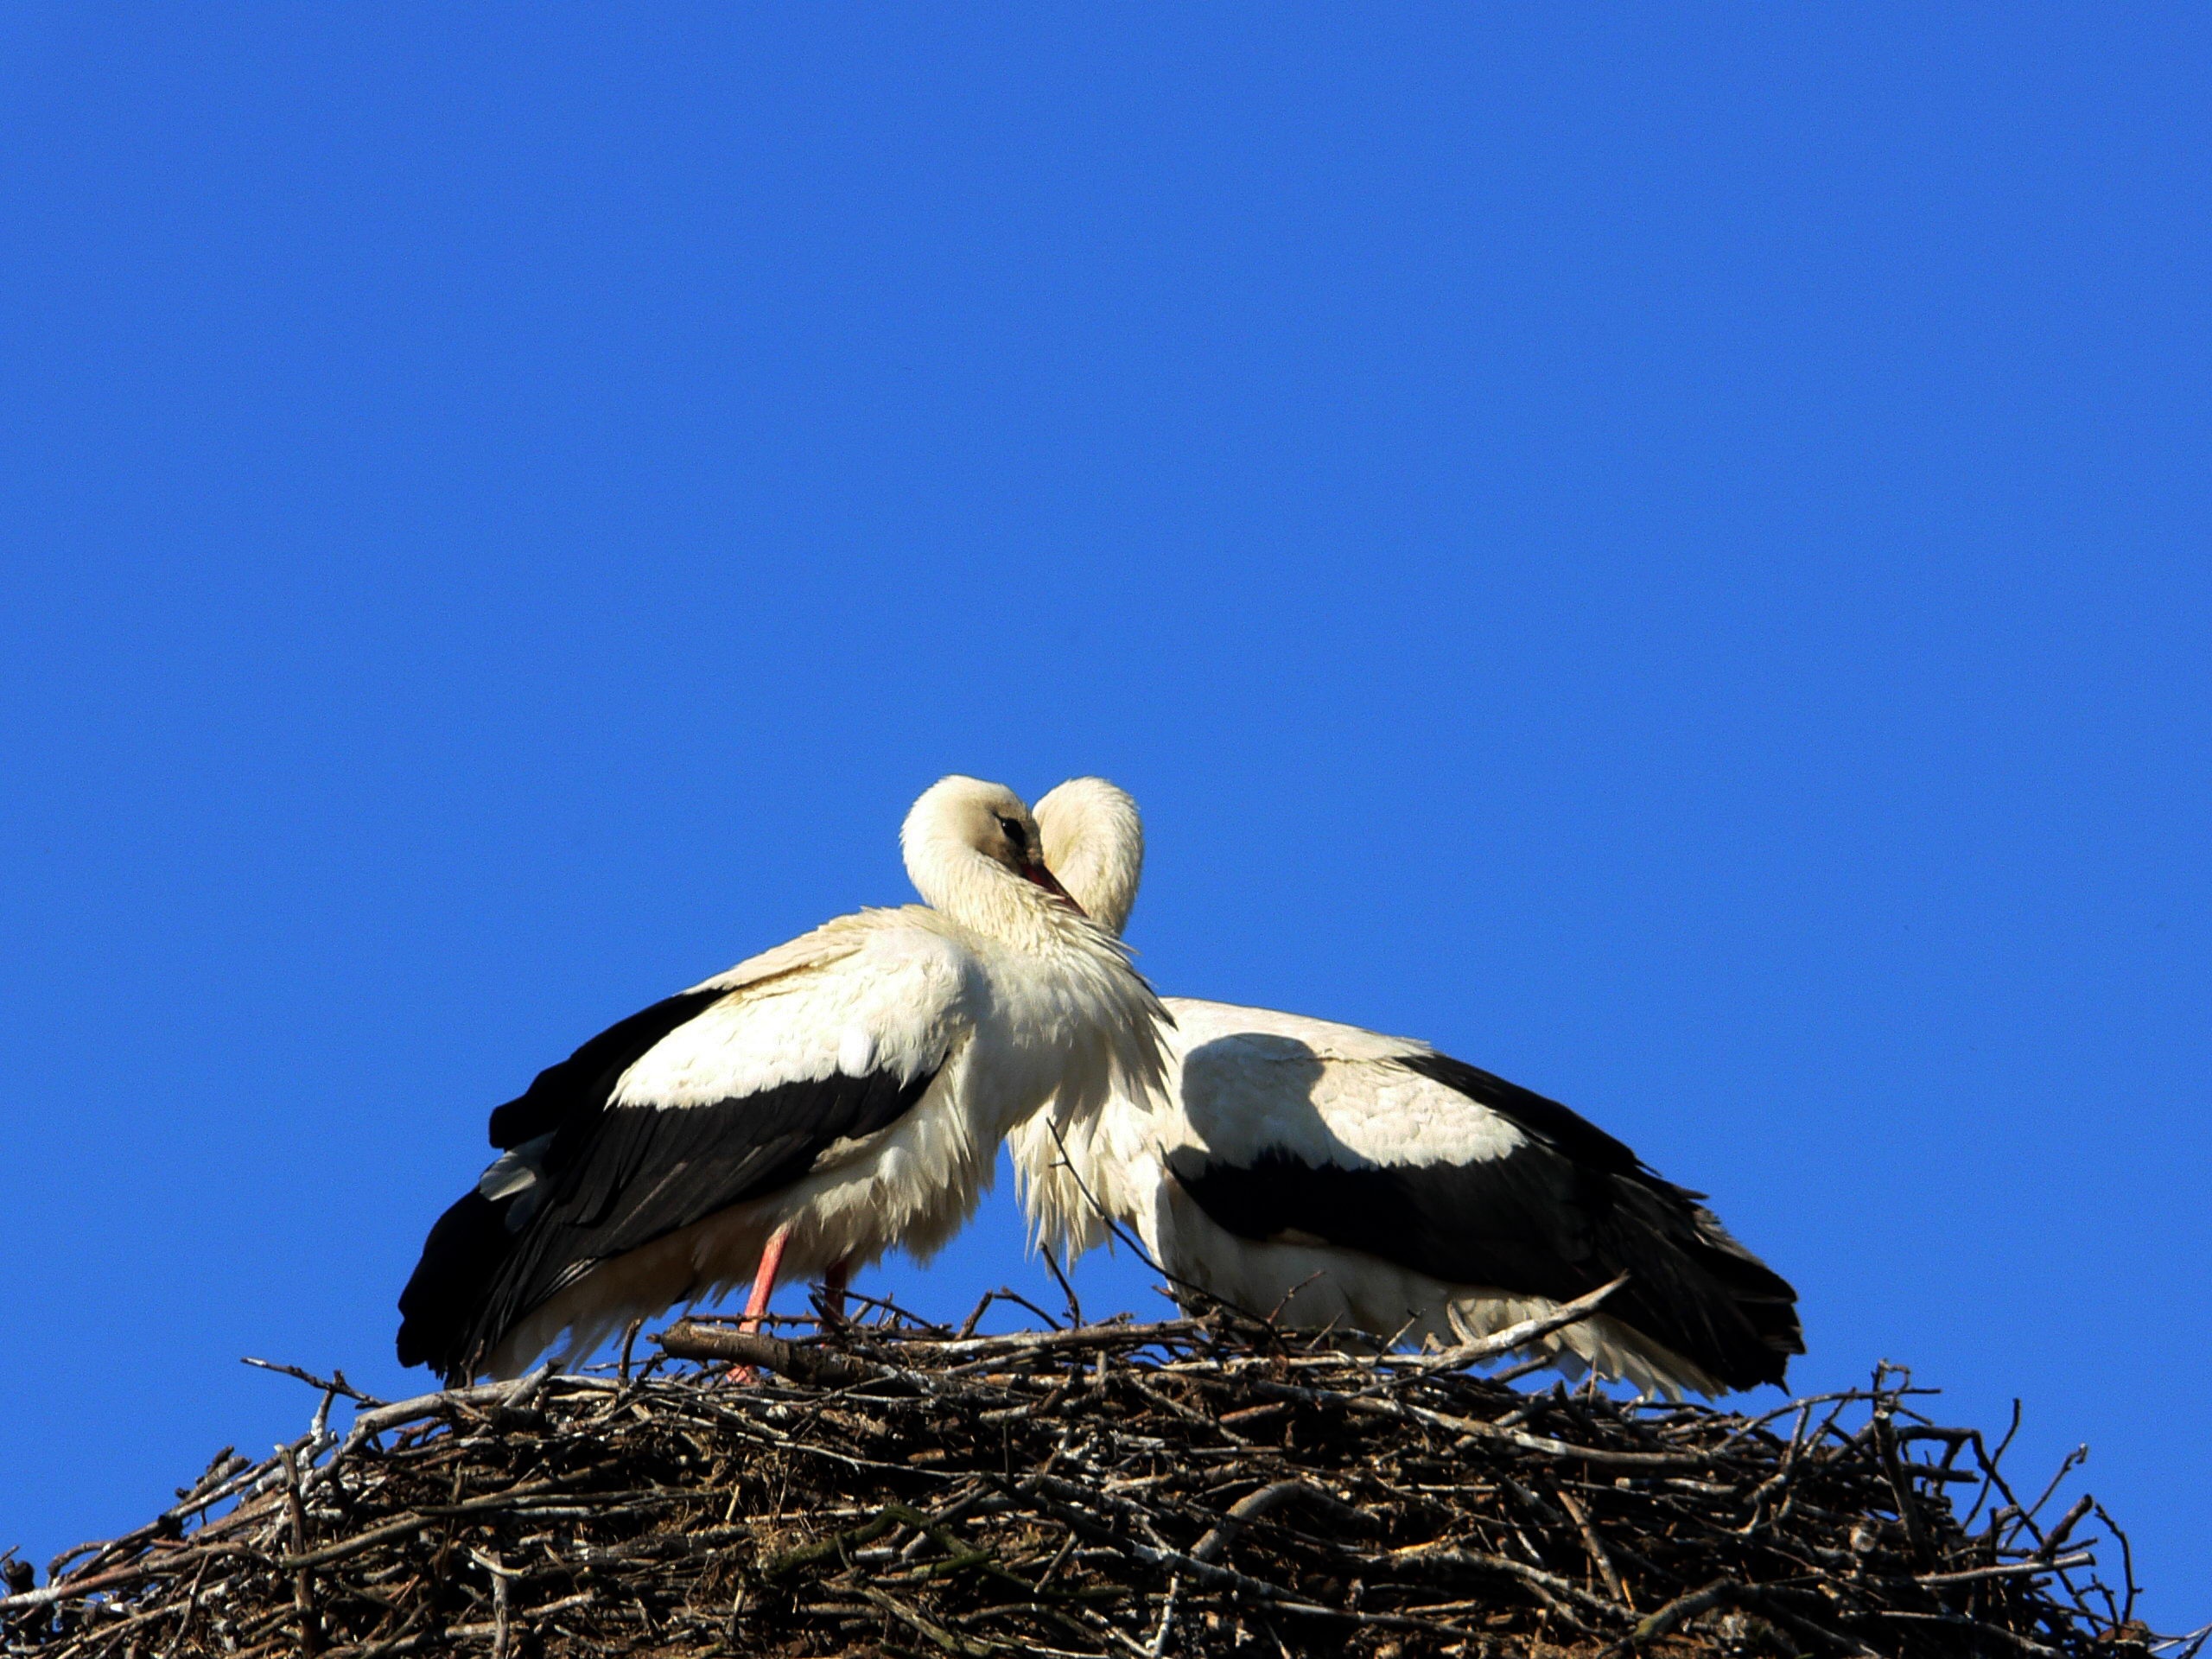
{"points": [[797, 1116], [1330, 1176]]}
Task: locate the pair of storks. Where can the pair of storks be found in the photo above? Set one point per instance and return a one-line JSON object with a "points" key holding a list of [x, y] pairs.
{"points": [[847, 1092]]}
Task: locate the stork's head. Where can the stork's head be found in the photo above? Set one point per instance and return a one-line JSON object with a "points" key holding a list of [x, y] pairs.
{"points": [[959, 819], [1094, 840]]}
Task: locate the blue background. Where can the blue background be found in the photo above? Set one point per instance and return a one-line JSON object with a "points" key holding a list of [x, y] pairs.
{"points": [[1664, 551]]}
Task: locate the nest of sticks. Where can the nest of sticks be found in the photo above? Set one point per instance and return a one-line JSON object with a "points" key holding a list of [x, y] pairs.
{"points": [[1199, 1486]]}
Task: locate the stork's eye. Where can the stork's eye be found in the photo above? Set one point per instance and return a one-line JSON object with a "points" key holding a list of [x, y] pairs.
{"points": [[1014, 831]]}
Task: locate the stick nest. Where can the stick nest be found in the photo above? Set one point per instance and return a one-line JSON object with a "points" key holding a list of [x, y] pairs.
{"points": [[1193, 1487]]}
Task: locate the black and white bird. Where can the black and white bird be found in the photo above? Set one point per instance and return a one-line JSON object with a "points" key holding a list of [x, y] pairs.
{"points": [[1336, 1177], [796, 1117]]}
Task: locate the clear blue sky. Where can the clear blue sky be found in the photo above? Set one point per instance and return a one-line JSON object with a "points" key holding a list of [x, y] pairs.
{"points": [[1665, 551]]}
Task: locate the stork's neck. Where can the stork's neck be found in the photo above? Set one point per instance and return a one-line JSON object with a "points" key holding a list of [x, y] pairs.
{"points": [[985, 896]]}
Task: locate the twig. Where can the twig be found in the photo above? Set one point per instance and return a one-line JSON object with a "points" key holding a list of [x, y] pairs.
{"points": [[1504, 1342], [303, 1585], [337, 1384]]}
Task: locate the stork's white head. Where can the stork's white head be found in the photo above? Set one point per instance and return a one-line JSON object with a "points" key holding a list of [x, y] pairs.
{"points": [[963, 841], [1094, 841]]}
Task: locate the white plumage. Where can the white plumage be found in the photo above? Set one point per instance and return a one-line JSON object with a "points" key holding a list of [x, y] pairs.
{"points": [[1332, 1176], [797, 1116]]}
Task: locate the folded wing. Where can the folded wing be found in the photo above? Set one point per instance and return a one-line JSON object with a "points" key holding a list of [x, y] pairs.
{"points": [[718, 1097], [1555, 1207]]}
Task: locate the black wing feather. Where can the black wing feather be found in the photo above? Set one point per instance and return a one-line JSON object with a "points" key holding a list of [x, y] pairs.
{"points": [[582, 1082], [1562, 1126], [610, 1179], [1558, 1216]]}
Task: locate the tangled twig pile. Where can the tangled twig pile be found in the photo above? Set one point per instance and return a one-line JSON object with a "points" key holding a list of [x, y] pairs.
{"points": [[1188, 1488]]}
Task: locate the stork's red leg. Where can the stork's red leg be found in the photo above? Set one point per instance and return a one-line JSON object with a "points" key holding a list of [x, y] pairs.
{"points": [[763, 1280], [833, 1289], [764, 1287]]}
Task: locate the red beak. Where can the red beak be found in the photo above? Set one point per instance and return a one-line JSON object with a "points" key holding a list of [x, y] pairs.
{"points": [[1044, 879]]}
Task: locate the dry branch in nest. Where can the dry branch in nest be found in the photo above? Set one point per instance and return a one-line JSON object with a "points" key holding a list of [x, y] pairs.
{"points": [[1191, 1487]]}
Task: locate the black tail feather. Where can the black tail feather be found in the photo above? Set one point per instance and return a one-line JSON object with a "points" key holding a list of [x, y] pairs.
{"points": [[444, 1301], [1694, 1289]]}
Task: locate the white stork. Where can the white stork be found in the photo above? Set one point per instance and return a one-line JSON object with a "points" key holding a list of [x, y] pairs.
{"points": [[1333, 1176], [796, 1117]]}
